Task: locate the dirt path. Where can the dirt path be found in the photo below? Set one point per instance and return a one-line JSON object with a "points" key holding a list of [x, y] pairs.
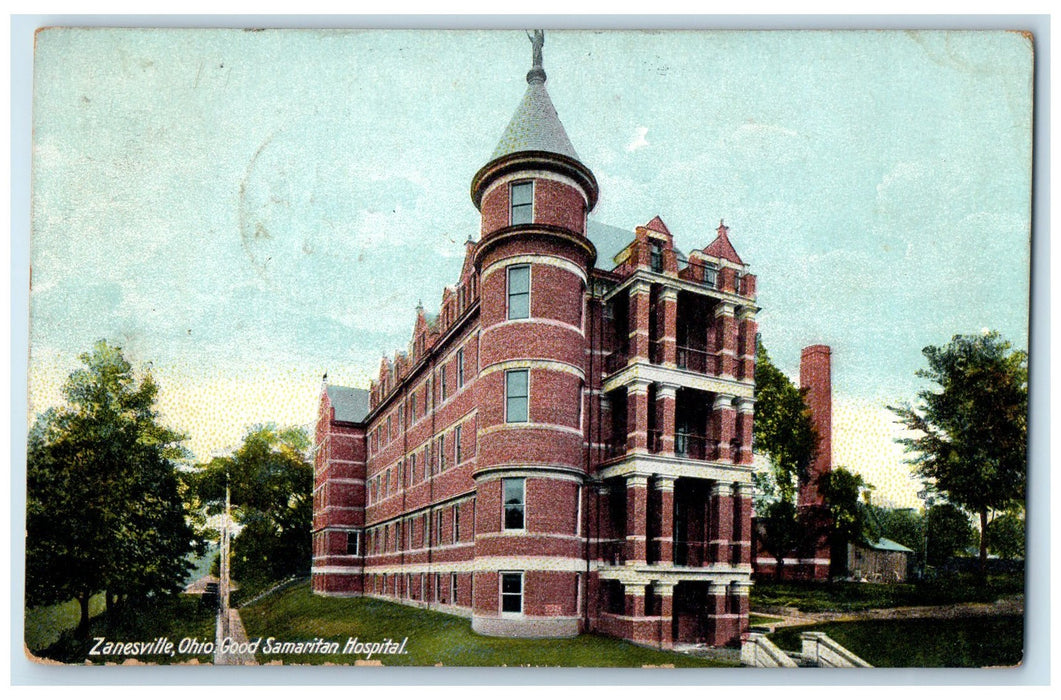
{"points": [[790, 617]]}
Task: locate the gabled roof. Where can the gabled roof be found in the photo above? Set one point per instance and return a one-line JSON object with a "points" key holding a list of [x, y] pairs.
{"points": [[350, 405], [535, 126], [722, 248], [658, 226]]}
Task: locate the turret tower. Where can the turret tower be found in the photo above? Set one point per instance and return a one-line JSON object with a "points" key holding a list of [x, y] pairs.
{"points": [[533, 260]]}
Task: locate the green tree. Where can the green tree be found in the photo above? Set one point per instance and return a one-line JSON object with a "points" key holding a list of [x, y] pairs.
{"points": [[903, 525], [103, 512], [971, 431], [782, 429], [848, 518], [271, 483], [1005, 535], [949, 533], [781, 531]]}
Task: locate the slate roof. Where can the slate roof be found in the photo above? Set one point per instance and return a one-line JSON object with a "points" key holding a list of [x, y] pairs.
{"points": [[351, 405], [535, 126], [609, 242]]}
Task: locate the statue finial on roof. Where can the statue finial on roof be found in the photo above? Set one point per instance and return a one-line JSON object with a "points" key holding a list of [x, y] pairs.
{"points": [[537, 39]]}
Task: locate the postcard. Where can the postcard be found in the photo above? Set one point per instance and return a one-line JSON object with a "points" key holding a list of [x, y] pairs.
{"points": [[529, 348]]}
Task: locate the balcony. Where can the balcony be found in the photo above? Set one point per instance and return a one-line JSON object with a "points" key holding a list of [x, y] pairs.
{"points": [[691, 359]]}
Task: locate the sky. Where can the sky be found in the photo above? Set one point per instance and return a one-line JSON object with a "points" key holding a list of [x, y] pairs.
{"points": [[245, 210]]}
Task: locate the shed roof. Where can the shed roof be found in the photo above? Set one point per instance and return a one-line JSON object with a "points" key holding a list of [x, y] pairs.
{"points": [[884, 544]]}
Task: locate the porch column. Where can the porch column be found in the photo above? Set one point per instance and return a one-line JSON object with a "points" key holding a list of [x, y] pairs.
{"points": [[721, 529], [668, 300], [719, 631], [745, 415], [666, 409], [746, 351], [664, 487], [724, 422], [636, 516], [640, 313], [665, 591], [742, 524], [637, 415], [726, 338], [739, 604]]}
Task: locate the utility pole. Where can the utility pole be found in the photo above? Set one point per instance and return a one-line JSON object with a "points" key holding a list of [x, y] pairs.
{"points": [[224, 584]]}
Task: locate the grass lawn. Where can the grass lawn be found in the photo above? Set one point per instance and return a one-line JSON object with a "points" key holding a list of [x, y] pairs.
{"points": [[970, 642], [434, 638], [45, 624], [847, 596], [176, 619]]}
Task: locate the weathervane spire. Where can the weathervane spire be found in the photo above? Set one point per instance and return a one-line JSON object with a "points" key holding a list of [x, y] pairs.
{"points": [[537, 39]]}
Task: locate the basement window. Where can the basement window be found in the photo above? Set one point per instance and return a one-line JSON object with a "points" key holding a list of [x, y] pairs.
{"points": [[512, 592]]}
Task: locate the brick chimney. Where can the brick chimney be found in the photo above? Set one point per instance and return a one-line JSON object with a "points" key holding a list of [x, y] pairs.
{"points": [[815, 376]]}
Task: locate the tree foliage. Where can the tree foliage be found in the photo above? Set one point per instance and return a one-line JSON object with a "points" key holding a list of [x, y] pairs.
{"points": [[903, 525], [849, 518], [970, 429], [271, 482], [949, 533], [1005, 536], [781, 531], [103, 511], [782, 429]]}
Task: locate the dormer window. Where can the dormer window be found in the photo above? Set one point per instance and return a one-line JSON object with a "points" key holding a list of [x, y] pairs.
{"points": [[522, 207], [710, 275], [656, 257]]}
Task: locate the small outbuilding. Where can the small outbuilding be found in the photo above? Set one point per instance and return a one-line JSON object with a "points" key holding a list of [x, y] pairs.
{"points": [[882, 561]]}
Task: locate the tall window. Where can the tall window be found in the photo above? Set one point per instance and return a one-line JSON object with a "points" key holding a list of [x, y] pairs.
{"points": [[460, 368], [512, 592], [656, 259], [519, 291], [453, 589], [710, 275], [351, 544], [438, 528], [522, 203], [456, 524], [516, 395], [442, 382], [457, 445], [441, 452], [513, 493], [412, 468]]}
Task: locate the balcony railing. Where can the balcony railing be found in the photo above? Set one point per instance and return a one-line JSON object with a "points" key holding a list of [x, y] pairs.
{"points": [[655, 441], [696, 360], [692, 446], [686, 445], [614, 448], [706, 275]]}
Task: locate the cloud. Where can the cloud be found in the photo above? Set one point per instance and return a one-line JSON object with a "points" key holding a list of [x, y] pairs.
{"points": [[639, 140]]}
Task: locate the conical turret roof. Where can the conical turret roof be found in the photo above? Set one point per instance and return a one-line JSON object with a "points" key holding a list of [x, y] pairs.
{"points": [[535, 126]]}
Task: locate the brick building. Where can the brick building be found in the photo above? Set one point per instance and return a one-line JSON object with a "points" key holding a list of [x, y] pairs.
{"points": [[566, 445]]}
